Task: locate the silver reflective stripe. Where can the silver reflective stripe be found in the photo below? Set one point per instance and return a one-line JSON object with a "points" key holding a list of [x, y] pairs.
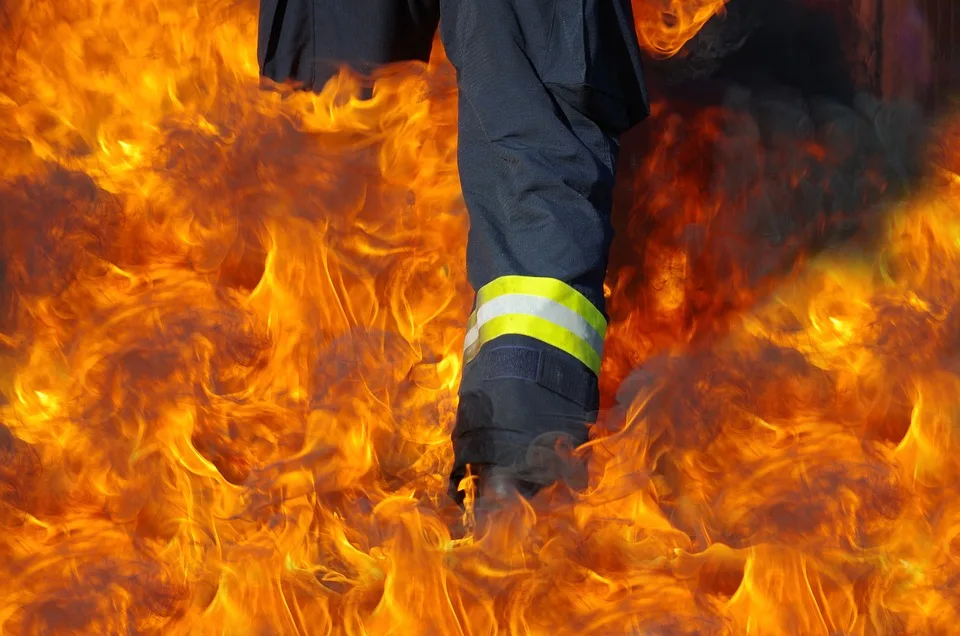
{"points": [[535, 306]]}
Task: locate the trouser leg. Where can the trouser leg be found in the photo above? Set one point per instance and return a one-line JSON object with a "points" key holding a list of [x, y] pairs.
{"points": [[546, 87], [306, 41]]}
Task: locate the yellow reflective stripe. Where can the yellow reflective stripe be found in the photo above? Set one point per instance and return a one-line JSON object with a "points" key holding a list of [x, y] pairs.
{"points": [[540, 329], [558, 314], [551, 288]]}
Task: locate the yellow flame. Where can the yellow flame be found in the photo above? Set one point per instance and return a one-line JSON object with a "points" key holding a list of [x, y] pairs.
{"points": [[229, 372]]}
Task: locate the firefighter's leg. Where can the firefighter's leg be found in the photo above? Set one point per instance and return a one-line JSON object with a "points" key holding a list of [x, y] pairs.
{"points": [[306, 41], [546, 87]]}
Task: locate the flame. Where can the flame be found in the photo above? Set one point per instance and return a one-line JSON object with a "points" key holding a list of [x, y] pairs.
{"points": [[664, 26], [231, 321]]}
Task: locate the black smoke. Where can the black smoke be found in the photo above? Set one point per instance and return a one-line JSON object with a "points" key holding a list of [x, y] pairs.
{"points": [[769, 146]]}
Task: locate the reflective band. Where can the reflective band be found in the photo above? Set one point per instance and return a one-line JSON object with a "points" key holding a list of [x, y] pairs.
{"points": [[527, 305], [551, 288], [542, 308]]}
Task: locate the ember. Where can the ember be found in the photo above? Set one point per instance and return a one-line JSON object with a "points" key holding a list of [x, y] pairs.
{"points": [[231, 324]]}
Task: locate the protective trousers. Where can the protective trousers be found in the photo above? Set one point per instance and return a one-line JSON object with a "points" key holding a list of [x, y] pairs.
{"points": [[546, 88]]}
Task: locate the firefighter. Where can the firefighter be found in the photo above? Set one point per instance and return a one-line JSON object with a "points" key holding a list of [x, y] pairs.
{"points": [[546, 88]]}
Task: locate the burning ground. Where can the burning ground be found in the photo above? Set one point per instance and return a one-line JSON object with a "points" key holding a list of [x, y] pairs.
{"points": [[231, 318]]}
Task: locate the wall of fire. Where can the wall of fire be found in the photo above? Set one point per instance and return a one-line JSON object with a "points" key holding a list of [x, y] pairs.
{"points": [[911, 48]]}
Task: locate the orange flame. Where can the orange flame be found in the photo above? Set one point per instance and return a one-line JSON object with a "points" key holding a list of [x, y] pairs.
{"points": [[664, 26], [230, 325]]}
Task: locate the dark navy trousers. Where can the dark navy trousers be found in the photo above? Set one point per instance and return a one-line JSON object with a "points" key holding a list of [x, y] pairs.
{"points": [[546, 88]]}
